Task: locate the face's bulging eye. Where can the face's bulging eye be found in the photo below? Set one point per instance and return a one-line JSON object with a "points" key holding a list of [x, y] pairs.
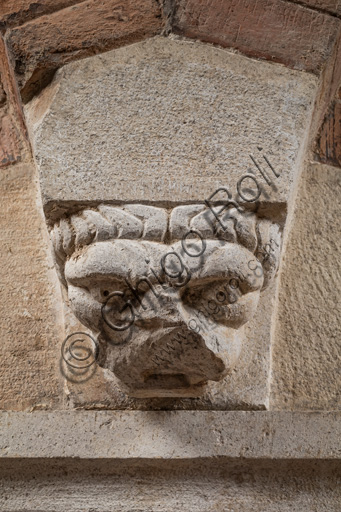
{"points": [[224, 295], [214, 293], [105, 293]]}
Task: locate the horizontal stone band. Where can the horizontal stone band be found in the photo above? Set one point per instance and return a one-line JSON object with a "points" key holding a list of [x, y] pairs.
{"points": [[170, 435]]}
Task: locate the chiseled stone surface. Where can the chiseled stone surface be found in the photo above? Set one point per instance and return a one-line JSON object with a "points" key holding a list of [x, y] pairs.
{"points": [[210, 320], [166, 121], [30, 308], [306, 348], [328, 147], [13, 136], [170, 435]]}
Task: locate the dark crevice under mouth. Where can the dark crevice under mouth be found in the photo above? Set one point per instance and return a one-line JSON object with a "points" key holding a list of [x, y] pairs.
{"points": [[167, 381]]}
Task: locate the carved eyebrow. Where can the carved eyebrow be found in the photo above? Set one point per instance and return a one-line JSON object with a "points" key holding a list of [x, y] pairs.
{"points": [[97, 281], [245, 285]]}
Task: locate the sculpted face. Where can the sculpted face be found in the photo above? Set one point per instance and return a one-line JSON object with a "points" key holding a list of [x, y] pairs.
{"points": [[168, 316]]}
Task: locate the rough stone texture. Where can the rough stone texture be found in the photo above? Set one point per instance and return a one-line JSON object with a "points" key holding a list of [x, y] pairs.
{"points": [[29, 376], [306, 353], [165, 486], [94, 387], [271, 29], [41, 46], [329, 143], [167, 122], [30, 324], [247, 387], [170, 435], [17, 12], [272, 462]]}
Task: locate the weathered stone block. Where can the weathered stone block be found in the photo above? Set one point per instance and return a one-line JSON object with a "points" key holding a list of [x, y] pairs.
{"points": [[165, 435], [30, 317], [129, 145], [9, 140], [306, 353], [209, 484], [165, 461], [12, 128], [167, 346]]}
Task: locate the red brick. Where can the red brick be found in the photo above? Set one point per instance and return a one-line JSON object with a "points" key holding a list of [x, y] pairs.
{"points": [[94, 26], [275, 30], [2, 95], [324, 122], [17, 12], [329, 143], [10, 150], [332, 6], [13, 134]]}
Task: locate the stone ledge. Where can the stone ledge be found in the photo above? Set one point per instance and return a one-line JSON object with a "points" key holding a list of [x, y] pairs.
{"points": [[170, 435]]}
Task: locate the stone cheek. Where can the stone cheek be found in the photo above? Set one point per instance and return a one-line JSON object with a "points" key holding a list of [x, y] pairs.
{"points": [[168, 317]]}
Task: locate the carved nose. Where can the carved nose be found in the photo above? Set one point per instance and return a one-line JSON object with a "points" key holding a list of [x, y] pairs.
{"points": [[171, 361], [162, 310]]}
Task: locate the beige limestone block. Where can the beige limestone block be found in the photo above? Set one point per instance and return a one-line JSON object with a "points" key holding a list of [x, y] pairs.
{"points": [[186, 460], [170, 435], [307, 350], [30, 319]]}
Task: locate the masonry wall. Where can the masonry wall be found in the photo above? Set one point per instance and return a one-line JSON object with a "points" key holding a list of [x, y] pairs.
{"points": [[305, 348], [37, 38]]}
